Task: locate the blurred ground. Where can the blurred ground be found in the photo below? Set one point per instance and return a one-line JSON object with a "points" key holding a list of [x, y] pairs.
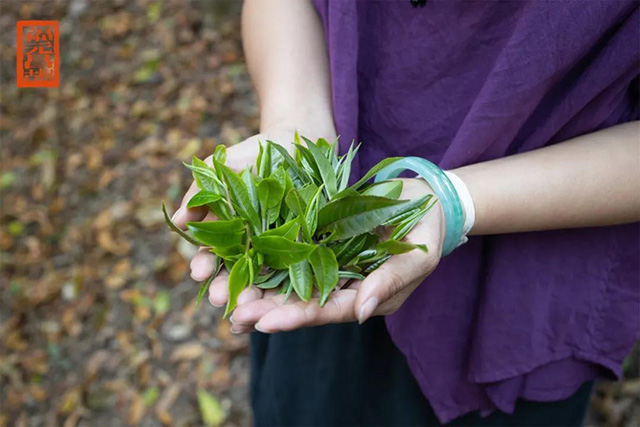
{"points": [[98, 324]]}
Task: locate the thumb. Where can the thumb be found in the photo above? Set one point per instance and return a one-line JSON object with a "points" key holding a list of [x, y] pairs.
{"points": [[394, 275]]}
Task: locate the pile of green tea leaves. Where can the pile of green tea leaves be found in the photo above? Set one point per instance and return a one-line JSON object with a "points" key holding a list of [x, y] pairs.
{"points": [[294, 223]]}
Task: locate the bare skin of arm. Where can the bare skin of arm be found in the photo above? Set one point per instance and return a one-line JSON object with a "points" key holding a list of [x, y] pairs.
{"points": [[588, 181]]}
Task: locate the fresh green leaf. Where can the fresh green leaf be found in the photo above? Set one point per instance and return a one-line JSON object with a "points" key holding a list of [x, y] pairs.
{"points": [[251, 189], [205, 177], [239, 195], [376, 264], [307, 192], [345, 167], [175, 228], [311, 212], [301, 279], [274, 281], [220, 154], [325, 269], [308, 163], [407, 224], [270, 194], [264, 160], [350, 275], [374, 170], [239, 278], [327, 173], [351, 216], [202, 198], [389, 189], [396, 247], [300, 173], [204, 288], [280, 252], [218, 234], [289, 230]]}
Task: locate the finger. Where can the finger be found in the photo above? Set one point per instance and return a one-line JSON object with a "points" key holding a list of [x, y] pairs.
{"points": [[338, 309], [251, 293], [250, 312], [392, 276], [202, 264], [184, 214], [219, 289]]}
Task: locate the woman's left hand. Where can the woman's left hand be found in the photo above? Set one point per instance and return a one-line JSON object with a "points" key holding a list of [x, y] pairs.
{"points": [[382, 292]]}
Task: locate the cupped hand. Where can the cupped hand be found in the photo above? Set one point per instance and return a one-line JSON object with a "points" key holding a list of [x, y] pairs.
{"points": [[382, 292]]}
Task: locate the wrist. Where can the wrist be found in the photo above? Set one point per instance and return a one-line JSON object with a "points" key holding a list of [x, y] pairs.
{"points": [[311, 122]]}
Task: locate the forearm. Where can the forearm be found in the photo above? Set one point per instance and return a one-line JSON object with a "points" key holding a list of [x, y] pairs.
{"points": [[288, 61], [591, 180]]}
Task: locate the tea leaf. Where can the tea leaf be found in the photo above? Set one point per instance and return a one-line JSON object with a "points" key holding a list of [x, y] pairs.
{"points": [[202, 198], [289, 230], [325, 269], [309, 163], [301, 280], [407, 224], [218, 233], [300, 173], [251, 188], [264, 160], [374, 170], [240, 195], [311, 213], [350, 275], [175, 228], [280, 251], [217, 264], [239, 278], [276, 158], [307, 192], [351, 216], [324, 166], [204, 288], [264, 277], [348, 249], [220, 154], [205, 178], [376, 264], [345, 167], [396, 247], [274, 281], [390, 189], [270, 195]]}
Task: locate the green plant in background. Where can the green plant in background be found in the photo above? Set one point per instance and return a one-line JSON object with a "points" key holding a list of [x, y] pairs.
{"points": [[294, 223]]}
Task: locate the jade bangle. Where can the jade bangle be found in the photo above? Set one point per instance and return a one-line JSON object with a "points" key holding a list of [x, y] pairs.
{"points": [[442, 187]]}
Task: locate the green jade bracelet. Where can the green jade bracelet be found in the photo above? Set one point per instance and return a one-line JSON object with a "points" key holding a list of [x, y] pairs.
{"points": [[442, 187]]}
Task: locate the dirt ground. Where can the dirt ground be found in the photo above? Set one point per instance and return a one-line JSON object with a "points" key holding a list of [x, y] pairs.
{"points": [[98, 321]]}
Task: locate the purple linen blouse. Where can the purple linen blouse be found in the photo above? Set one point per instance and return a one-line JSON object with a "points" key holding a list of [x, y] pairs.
{"points": [[529, 315]]}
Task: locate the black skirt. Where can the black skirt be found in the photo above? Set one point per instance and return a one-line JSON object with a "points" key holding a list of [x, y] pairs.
{"points": [[351, 375]]}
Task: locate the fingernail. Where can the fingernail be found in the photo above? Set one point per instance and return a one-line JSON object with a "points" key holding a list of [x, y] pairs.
{"points": [[179, 211], [231, 318], [367, 309], [214, 304], [259, 328]]}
